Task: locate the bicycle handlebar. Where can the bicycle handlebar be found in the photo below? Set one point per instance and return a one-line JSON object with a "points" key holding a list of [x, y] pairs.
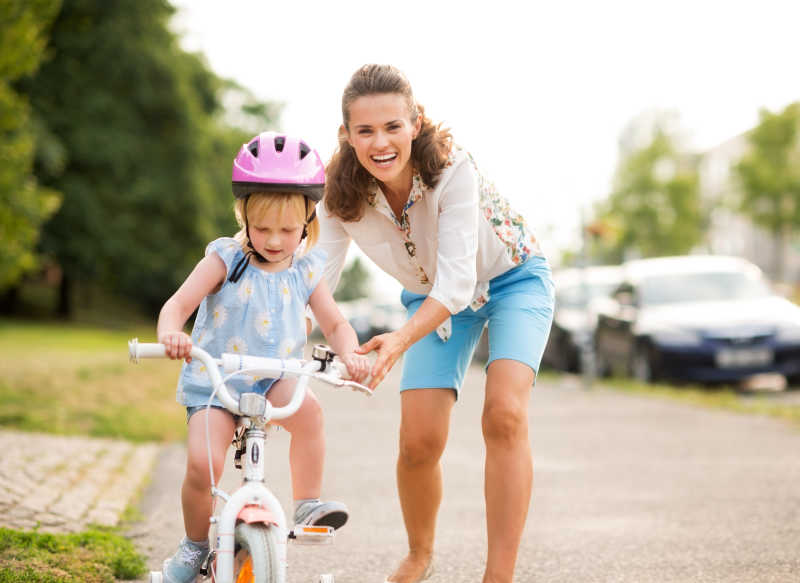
{"points": [[272, 367]]}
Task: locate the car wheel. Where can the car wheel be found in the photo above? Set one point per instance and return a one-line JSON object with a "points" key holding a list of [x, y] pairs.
{"points": [[572, 355], [641, 365], [561, 361], [602, 368]]}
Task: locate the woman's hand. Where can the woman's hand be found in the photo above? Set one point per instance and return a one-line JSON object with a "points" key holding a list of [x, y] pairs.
{"points": [[357, 366], [390, 347], [178, 344]]}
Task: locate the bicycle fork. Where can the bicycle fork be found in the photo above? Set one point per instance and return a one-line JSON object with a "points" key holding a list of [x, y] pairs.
{"points": [[251, 503]]}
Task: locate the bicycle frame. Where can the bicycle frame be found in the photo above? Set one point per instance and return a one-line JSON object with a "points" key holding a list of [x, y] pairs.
{"points": [[253, 502]]}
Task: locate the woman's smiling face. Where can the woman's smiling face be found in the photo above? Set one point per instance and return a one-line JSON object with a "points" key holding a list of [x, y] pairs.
{"points": [[381, 131]]}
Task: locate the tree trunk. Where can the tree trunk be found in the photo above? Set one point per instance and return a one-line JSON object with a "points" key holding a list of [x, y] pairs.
{"points": [[782, 239], [64, 309], [9, 300]]}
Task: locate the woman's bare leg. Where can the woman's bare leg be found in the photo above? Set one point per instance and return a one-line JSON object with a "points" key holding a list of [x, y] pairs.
{"points": [[509, 466], [424, 426]]}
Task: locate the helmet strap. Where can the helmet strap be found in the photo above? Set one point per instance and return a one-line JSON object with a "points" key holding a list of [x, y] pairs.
{"points": [[241, 265], [308, 220]]}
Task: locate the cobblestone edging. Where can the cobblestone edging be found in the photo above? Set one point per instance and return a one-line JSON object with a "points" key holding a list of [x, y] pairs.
{"points": [[64, 483]]}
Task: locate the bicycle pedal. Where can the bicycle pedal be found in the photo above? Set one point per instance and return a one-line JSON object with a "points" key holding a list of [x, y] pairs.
{"points": [[312, 535], [205, 569]]}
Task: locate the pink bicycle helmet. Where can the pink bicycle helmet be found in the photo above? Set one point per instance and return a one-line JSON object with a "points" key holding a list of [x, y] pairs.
{"points": [[273, 161]]}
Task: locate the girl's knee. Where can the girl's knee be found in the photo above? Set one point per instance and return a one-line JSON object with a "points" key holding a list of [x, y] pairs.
{"points": [[197, 474], [309, 419], [312, 410]]}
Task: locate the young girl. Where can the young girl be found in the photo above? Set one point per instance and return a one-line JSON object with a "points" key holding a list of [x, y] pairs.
{"points": [[252, 291]]}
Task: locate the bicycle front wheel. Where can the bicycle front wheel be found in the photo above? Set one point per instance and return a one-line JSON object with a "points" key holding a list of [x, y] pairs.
{"points": [[256, 559]]}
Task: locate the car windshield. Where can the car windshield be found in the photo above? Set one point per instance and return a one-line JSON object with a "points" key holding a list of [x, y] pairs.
{"points": [[700, 287], [573, 296]]}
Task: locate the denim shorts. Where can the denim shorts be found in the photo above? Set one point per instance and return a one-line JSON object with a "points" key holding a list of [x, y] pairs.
{"points": [[191, 410], [519, 314]]}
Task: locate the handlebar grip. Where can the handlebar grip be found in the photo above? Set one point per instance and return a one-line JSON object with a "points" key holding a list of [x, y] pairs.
{"points": [[145, 350]]}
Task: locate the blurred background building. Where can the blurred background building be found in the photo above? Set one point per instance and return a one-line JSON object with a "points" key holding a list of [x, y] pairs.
{"points": [[732, 233]]}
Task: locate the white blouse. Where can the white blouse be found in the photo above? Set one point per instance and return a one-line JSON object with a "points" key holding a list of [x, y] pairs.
{"points": [[447, 244]]}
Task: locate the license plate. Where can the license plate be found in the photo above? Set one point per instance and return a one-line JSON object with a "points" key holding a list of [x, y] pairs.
{"points": [[743, 357]]}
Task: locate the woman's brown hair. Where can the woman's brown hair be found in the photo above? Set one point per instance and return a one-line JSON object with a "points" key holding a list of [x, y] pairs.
{"points": [[347, 183]]}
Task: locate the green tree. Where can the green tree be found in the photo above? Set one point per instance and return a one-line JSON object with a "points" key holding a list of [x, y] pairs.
{"points": [[770, 177], [24, 204], [654, 208], [238, 117], [243, 110], [146, 176], [354, 283]]}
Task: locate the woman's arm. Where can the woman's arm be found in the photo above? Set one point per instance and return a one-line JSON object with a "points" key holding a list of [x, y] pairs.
{"points": [[338, 331], [205, 278], [392, 345], [457, 239], [334, 240]]}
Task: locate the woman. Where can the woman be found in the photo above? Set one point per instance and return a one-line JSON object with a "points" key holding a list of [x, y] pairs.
{"points": [[417, 206]]}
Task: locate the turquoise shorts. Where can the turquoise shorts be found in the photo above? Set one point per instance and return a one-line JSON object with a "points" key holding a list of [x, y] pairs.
{"points": [[519, 314]]}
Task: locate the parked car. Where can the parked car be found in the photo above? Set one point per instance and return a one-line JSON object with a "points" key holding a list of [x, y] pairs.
{"points": [[697, 318], [579, 293]]}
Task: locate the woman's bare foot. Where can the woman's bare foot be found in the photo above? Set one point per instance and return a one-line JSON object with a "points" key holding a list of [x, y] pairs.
{"points": [[412, 569]]}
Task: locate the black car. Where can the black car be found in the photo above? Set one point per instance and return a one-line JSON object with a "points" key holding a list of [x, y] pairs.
{"points": [[697, 318], [578, 294]]}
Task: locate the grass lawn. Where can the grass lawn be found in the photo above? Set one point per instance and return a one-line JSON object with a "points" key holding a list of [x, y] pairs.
{"points": [[71, 379], [76, 379], [94, 556], [720, 398]]}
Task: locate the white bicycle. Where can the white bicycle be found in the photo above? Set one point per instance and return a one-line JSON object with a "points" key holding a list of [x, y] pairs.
{"points": [[252, 532]]}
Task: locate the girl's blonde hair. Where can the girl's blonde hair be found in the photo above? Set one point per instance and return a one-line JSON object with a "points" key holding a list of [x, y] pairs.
{"points": [[348, 185], [260, 203]]}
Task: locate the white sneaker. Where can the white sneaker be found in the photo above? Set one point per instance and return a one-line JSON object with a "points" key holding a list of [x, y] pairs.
{"points": [[185, 564], [318, 513]]}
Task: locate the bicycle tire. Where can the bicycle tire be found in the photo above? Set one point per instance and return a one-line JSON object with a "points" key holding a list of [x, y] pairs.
{"points": [[256, 560]]}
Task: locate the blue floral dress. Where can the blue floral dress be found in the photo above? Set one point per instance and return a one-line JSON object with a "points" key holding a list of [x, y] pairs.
{"points": [[262, 314]]}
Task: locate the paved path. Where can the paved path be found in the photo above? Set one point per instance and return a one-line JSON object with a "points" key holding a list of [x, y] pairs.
{"points": [[63, 484], [627, 489]]}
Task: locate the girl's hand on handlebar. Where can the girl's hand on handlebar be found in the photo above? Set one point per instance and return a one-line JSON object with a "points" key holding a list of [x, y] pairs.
{"points": [[177, 344], [390, 347], [357, 366]]}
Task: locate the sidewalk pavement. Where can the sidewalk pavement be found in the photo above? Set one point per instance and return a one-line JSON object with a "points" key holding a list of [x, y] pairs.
{"points": [[65, 483]]}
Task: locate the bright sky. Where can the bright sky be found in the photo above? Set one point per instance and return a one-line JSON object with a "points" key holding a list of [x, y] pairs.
{"points": [[537, 91]]}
